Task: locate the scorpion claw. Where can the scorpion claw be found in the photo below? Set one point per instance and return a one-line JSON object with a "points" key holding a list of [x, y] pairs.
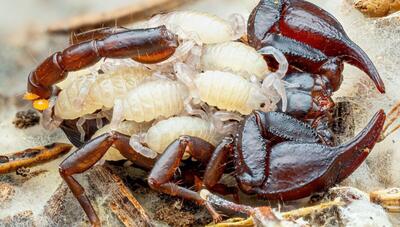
{"points": [[303, 26], [263, 18], [294, 50], [297, 169]]}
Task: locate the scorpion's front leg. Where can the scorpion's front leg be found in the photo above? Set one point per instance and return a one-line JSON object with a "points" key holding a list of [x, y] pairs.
{"points": [[85, 157], [166, 166], [143, 45]]}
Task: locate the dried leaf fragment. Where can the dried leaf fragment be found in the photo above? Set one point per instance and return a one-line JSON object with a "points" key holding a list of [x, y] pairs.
{"points": [[377, 8], [388, 199]]}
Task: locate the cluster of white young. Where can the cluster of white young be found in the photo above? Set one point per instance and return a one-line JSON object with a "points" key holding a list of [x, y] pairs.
{"points": [[203, 90]]}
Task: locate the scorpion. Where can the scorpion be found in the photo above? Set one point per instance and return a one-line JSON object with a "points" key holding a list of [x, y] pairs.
{"points": [[284, 154]]}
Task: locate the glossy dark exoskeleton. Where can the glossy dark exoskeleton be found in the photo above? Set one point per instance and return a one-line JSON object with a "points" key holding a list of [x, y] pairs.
{"points": [[276, 155], [316, 46], [309, 37], [300, 165]]}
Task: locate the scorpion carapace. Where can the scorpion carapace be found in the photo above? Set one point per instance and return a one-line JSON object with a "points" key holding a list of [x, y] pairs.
{"points": [[308, 36], [143, 45]]}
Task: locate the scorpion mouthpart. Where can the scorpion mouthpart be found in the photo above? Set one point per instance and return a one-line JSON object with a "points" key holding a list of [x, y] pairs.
{"points": [[41, 104]]}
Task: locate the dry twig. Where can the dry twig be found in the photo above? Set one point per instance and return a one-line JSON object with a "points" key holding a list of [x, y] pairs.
{"points": [[119, 16], [32, 156]]}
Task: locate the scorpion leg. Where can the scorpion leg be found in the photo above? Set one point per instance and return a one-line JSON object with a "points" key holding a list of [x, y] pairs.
{"points": [[166, 166], [88, 155], [143, 45], [216, 168], [297, 169], [258, 133]]}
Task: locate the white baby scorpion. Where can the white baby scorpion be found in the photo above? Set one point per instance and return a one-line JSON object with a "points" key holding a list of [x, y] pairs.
{"points": [[163, 133], [235, 57], [241, 59], [224, 90], [153, 140], [205, 28], [90, 92], [151, 100], [195, 29]]}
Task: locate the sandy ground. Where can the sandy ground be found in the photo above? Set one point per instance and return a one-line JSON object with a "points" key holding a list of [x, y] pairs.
{"points": [[24, 44]]}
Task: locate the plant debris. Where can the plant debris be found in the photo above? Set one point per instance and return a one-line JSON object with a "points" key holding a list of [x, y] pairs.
{"points": [[6, 192], [26, 119], [388, 199], [24, 218], [32, 156], [377, 8]]}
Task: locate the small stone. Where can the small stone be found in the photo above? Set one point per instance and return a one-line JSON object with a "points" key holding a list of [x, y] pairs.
{"points": [[24, 218], [23, 171], [26, 119], [6, 192], [377, 8]]}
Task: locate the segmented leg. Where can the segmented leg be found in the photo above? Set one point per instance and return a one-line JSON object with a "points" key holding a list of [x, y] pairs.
{"points": [[85, 157], [221, 203], [143, 45], [166, 166], [216, 168], [296, 169]]}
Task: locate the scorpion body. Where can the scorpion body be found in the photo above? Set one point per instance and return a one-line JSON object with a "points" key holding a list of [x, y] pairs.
{"points": [[304, 159]]}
